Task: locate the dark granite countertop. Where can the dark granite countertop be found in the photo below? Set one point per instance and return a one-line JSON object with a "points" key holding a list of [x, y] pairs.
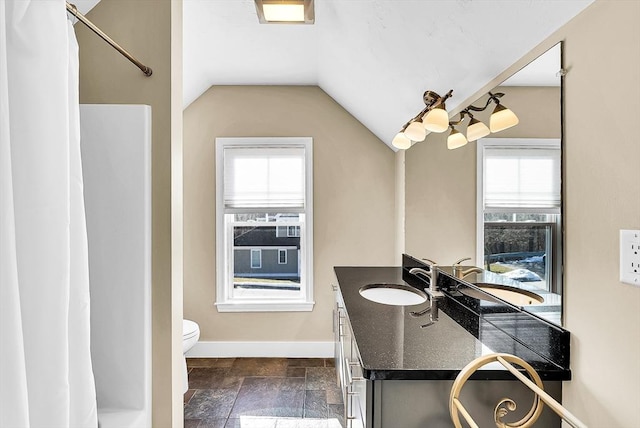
{"points": [[393, 345]]}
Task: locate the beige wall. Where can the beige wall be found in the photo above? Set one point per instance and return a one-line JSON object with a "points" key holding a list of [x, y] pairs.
{"points": [[441, 183], [147, 28], [602, 196], [354, 201]]}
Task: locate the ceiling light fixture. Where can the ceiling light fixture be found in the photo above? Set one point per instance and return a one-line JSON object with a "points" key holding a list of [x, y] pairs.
{"points": [[285, 11], [434, 118]]}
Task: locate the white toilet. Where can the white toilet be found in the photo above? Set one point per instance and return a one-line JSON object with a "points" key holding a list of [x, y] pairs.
{"points": [[190, 336]]}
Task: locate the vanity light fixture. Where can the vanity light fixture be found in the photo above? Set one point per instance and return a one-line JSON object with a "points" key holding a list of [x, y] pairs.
{"points": [[434, 118], [456, 139], [285, 11]]}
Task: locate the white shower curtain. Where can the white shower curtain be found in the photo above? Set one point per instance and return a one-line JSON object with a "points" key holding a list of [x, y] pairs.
{"points": [[46, 378]]}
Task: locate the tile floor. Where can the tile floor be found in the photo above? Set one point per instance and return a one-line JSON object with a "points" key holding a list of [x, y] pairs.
{"points": [[262, 393]]}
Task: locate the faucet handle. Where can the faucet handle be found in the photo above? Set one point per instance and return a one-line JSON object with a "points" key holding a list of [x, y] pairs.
{"points": [[430, 262], [461, 260]]}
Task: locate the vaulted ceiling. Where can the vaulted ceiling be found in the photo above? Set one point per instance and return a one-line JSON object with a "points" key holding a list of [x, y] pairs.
{"points": [[374, 57]]}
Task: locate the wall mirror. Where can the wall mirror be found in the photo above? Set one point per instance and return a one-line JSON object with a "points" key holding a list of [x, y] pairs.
{"points": [[498, 200], [519, 229]]}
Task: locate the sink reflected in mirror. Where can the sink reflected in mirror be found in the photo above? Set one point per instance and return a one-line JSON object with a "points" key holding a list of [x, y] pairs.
{"points": [[393, 294], [512, 295], [499, 198]]}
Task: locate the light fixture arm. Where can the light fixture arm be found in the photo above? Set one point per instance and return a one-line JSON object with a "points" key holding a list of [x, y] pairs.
{"points": [[431, 100], [463, 113], [492, 97]]}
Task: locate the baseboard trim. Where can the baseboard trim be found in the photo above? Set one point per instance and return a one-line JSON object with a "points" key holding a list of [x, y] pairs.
{"points": [[210, 349]]}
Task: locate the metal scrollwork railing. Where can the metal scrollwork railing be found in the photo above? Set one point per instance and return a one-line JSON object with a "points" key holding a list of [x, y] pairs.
{"points": [[507, 405]]}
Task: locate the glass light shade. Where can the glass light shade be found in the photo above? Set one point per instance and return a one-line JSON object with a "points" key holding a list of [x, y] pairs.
{"points": [[284, 12], [476, 130], [436, 120], [502, 118], [415, 131], [456, 139], [400, 141]]}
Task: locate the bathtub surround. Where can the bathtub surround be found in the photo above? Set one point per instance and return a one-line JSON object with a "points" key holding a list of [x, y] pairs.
{"points": [[116, 160], [152, 29], [46, 376]]}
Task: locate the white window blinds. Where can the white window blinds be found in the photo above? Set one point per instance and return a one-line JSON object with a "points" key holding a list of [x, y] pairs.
{"points": [[264, 178], [522, 179]]}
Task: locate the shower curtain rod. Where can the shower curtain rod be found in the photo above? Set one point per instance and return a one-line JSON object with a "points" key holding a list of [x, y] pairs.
{"points": [[72, 9]]}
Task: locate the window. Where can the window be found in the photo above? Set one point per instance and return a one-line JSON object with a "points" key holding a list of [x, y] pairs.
{"points": [[282, 257], [256, 258], [293, 231], [519, 218], [264, 224]]}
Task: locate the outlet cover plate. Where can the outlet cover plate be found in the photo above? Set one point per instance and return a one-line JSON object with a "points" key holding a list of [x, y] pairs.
{"points": [[630, 257]]}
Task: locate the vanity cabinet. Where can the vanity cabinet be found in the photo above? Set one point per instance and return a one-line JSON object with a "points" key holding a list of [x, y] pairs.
{"points": [[393, 373], [350, 379]]}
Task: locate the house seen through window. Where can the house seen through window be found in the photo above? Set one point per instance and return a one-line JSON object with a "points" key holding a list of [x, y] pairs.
{"points": [[264, 224], [519, 229]]}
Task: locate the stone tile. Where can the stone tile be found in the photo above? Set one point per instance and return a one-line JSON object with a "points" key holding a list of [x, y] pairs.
{"points": [[334, 395], [260, 367], [336, 413], [188, 395], [264, 398], [210, 404], [270, 396], [306, 362], [212, 423], [315, 404], [251, 422], [191, 423], [213, 377], [321, 378], [296, 372]]}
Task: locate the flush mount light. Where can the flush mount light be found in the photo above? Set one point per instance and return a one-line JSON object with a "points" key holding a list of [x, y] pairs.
{"points": [[434, 118], [285, 11]]}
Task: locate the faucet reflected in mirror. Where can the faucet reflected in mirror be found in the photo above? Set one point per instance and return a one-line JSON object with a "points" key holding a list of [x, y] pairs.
{"points": [[504, 235], [460, 273]]}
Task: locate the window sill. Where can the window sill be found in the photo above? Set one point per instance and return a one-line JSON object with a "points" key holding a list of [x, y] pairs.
{"points": [[265, 306]]}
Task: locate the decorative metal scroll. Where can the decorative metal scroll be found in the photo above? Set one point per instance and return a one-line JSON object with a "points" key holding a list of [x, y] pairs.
{"points": [[507, 405]]}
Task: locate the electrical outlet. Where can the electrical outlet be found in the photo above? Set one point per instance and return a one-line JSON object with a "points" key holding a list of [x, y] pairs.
{"points": [[630, 257]]}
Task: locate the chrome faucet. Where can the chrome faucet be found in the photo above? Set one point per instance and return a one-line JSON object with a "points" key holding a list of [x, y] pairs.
{"points": [[433, 291], [458, 272], [432, 274]]}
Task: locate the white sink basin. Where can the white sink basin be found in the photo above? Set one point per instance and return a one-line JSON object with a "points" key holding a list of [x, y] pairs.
{"points": [[393, 294], [515, 296]]}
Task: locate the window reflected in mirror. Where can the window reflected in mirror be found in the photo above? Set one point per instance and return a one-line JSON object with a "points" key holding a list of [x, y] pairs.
{"points": [[519, 190]]}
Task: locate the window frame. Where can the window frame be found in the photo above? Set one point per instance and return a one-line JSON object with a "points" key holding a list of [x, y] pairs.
{"points": [[224, 300], [282, 251], [257, 251], [556, 225]]}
